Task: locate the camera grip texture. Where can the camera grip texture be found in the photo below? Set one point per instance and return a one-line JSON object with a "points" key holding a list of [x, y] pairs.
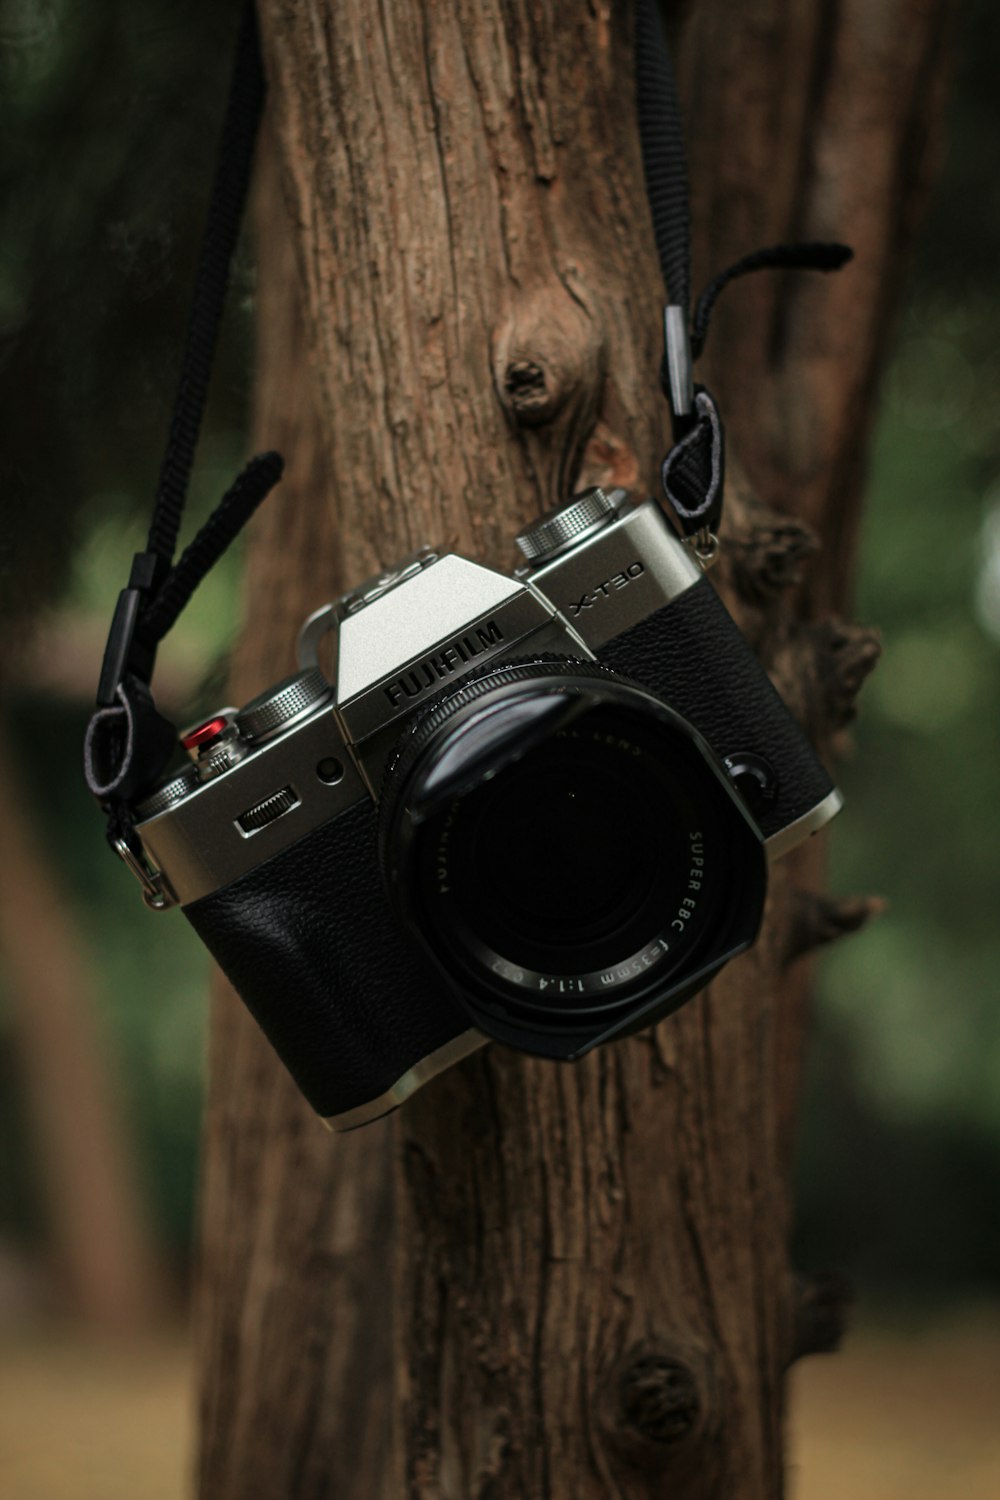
{"points": [[692, 654], [309, 943]]}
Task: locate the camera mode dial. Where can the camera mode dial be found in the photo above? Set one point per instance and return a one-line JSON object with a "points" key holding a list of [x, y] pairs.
{"points": [[568, 524], [283, 705]]}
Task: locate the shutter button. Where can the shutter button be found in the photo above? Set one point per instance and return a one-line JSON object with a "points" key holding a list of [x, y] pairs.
{"points": [[215, 745], [205, 734]]}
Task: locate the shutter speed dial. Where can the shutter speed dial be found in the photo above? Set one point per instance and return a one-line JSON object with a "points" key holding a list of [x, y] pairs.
{"points": [[282, 706]]}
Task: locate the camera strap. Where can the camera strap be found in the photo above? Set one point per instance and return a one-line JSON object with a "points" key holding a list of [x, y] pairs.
{"points": [[128, 743], [693, 470]]}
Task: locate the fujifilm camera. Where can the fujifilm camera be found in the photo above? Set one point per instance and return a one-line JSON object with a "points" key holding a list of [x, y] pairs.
{"points": [[536, 808]]}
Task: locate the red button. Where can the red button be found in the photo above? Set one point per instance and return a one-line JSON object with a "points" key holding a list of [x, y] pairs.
{"points": [[204, 734]]}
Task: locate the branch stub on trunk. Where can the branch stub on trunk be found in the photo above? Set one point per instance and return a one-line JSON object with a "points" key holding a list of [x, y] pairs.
{"points": [[661, 1409]]}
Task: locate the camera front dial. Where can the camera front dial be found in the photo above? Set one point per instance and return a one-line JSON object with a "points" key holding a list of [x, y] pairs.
{"points": [[568, 850]]}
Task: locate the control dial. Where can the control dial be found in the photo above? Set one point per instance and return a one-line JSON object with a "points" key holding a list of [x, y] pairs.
{"points": [[169, 794], [283, 705], [567, 524]]}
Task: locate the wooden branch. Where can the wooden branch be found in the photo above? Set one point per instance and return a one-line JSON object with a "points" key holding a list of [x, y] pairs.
{"points": [[845, 655], [659, 1399], [820, 669], [766, 552], [816, 919], [822, 1308]]}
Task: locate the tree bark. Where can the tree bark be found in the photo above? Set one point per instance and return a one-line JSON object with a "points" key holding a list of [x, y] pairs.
{"points": [[585, 1267]]}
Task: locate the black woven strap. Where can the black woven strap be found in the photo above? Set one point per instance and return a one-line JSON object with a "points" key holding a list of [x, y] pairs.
{"points": [[693, 469], [200, 556], [814, 255], [661, 137], [229, 190], [128, 743]]}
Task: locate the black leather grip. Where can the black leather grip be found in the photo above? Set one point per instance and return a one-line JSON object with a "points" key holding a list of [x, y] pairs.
{"points": [[308, 941], [692, 654]]}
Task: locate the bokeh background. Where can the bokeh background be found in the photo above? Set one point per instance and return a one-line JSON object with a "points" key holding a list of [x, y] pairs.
{"points": [[105, 112]]}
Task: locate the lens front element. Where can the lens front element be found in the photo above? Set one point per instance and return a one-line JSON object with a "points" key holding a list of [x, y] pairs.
{"points": [[568, 872]]}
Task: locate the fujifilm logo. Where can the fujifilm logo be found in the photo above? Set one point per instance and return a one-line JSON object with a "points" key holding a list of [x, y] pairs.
{"points": [[442, 664]]}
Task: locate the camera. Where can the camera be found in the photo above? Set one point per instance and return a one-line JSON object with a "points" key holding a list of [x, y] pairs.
{"points": [[536, 807]]}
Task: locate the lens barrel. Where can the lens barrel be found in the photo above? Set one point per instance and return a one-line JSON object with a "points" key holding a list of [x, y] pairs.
{"points": [[569, 851]]}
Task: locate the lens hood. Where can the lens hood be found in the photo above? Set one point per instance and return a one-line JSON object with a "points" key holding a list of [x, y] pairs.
{"points": [[569, 851]]}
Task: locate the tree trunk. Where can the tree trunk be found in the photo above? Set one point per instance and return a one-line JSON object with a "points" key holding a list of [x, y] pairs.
{"points": [[585, 1267]]}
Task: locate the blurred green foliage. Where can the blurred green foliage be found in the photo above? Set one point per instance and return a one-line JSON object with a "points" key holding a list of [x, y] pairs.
{"points": [[899, 1165], [107, 118], [104, 117], [105, 112]]}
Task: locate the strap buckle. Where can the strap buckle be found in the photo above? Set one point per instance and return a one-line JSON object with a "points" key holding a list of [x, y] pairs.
{"points": [[156, 891], [679, 364], [123, 652]]}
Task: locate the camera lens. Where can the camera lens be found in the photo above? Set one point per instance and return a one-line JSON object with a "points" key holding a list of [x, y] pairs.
{"points": [[563, 843], [564, 860]]}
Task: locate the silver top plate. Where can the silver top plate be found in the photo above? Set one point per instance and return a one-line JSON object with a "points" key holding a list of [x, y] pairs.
{"points": [[621, 574]]}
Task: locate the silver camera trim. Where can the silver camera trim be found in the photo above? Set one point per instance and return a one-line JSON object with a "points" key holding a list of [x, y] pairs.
{"points": [[454, 1051]]}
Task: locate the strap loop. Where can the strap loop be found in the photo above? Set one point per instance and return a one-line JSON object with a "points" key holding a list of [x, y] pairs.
{"points": [[694, 469], [127, 744]]}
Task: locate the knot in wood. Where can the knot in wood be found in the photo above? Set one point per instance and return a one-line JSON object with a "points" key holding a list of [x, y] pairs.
{"points": [[659, 1398], [548, 368], [527, 390], [768, 557]]}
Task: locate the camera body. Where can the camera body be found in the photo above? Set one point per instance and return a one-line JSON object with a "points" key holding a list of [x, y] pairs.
{"points": [[535, 807]]}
